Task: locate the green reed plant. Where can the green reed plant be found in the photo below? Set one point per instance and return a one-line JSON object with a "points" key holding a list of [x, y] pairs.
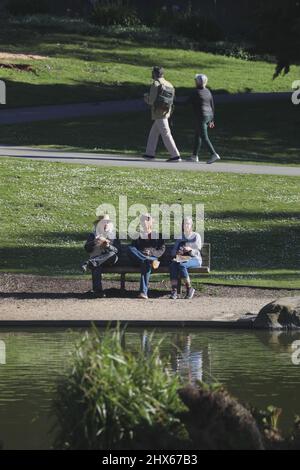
{"points": [[116, 399]]}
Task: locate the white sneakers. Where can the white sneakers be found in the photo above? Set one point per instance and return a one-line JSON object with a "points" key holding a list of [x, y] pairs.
{"points": [[214, 158], [142, 296]]}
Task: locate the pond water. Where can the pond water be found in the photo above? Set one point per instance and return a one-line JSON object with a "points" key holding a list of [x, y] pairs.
{"points": [[255, 367]]}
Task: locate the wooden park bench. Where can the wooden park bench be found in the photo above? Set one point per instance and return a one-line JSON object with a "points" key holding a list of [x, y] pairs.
{"points": [[124, 265]]}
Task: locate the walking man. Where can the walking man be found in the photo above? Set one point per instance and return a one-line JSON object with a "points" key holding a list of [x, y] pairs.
{"points": [[161, 98]]}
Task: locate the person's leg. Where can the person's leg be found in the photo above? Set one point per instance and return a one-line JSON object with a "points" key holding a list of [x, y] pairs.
{"points": [[137, 256], [104, 259], [174, 272], [197, 142], [144, 262], [97, 279], [111, 259], [204, 135], [165, 132], [152, 140], [145, 277], [184, 266]]}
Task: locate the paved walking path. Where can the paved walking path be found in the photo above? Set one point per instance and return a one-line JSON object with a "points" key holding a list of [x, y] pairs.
{"points": [[138, 162], [31, 298], [204, 309], [105, 108]]}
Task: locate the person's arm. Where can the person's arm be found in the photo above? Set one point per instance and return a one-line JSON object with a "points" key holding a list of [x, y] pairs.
{"points": [[212, 104], [90, 243], [196, 251], [159, 249], [153, 93], [175, 248], [136, 243], [117, 243]]}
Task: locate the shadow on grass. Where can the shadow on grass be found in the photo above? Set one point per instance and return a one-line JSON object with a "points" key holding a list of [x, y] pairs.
{"points": [[21, 94], [24, 94], [255, 132], [255, 216], [247, 276], [267, 249]]}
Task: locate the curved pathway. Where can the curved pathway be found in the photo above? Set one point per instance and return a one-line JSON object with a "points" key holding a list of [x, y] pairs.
{"points": [[138, 162]]}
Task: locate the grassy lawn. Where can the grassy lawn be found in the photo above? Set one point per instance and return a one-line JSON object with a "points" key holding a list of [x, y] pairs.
{"points": [[88, 67], [248, 132], [47, 209]]}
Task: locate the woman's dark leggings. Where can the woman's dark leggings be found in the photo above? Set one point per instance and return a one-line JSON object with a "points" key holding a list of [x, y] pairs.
{"points": [[201, 135]]}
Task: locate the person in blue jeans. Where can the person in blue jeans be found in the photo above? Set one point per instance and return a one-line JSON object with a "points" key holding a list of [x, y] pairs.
{"points": [[145, 252], [186, 254]]}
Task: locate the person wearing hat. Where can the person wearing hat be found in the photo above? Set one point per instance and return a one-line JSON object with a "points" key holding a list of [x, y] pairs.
{"points": [[145, 252], [103, 247], [160, 114], [186, 254], [204, 110]]}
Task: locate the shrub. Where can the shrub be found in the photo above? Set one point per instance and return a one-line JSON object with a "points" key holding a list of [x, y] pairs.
{"points": [[198, 27], [188, 22], [27, 7], [112, 13], [114, 399]]}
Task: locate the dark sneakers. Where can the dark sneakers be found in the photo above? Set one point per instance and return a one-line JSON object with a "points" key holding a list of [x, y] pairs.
{"points": [[190, 293], [149, 157], [174, 159]]}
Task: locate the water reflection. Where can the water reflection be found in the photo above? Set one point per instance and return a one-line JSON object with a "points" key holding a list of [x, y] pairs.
{"points": [[255, 366], [2, 352]]}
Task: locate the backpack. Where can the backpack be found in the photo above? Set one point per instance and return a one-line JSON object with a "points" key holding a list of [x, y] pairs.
{"points": [[165, 97]]}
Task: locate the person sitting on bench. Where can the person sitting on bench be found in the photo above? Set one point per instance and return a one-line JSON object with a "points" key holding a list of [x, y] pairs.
{"points": [[186, 254], [103, 247], [145, 252]]}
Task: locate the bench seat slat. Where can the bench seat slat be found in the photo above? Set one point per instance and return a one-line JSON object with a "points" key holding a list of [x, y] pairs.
{"points": [[135, 269]]}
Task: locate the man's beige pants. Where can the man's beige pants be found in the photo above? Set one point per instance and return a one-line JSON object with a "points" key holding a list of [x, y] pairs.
{"points": [[161, 128]]}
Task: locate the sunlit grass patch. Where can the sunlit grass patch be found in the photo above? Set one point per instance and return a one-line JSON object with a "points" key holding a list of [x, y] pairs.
{"points": [[47, 210]]}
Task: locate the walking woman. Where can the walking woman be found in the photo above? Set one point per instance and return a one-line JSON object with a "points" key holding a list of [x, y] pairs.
{"points": [[204, 110], [186, 254]]}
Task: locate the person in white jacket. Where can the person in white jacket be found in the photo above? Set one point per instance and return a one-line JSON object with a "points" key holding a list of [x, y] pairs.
{"points": [[186, 254]]}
